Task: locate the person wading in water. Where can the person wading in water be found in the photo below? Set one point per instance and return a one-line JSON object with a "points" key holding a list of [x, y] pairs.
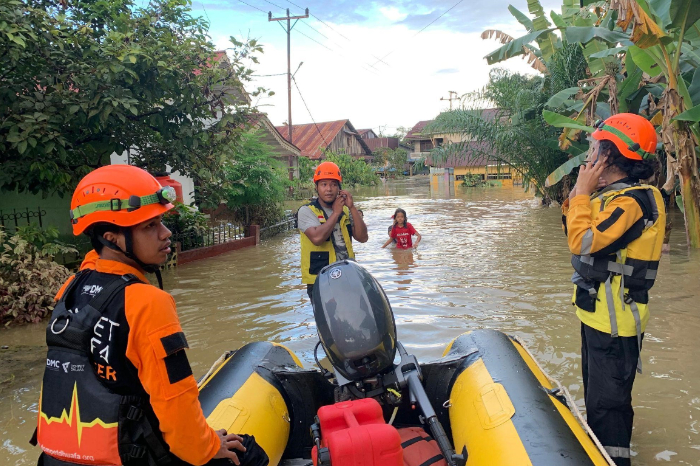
{"points": [[615, 235], [327, 225], [118, 388]]}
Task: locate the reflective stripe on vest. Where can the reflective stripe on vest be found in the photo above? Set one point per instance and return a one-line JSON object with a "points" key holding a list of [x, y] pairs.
{"points": [[633, 267], [314, 258]]}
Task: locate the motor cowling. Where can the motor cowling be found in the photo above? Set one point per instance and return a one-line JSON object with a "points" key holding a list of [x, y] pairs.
{"points": [[355, 321]]}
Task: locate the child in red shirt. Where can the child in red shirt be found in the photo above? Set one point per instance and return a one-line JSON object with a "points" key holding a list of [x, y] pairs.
{"points": [[402, 231]]}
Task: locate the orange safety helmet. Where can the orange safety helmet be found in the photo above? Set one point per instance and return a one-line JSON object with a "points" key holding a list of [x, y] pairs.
{"points": [[123, 195], [633, 135], [327, 171]]}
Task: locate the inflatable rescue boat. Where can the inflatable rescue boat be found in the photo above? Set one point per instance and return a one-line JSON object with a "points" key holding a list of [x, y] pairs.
{"points": [[486, 401]]}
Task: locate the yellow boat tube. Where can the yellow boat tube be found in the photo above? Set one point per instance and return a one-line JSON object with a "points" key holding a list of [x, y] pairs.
{"points": [[504, 410], [487, 391]]}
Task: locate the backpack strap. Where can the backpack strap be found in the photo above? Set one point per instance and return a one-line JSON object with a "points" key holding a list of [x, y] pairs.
{"points": [[104, 297], [71, 285]]}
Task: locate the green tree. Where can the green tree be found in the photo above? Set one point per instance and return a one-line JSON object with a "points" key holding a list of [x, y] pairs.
{"points": [[84, 79], [354, 171], [390, 159], [516, 135], [254, 181]]}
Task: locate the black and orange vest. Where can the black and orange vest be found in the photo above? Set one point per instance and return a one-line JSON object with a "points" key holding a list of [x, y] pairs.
{"points": [[93, 409]]}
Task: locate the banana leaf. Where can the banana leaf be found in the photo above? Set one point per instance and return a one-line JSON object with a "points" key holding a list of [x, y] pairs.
{"points": [[514, 48], [692, 114], [522, 18], [609, 52], [646, 61], [584, 35], [561, 121], [676, 13], [566, 168], [628, 87], [694, 88], [560, 98]]}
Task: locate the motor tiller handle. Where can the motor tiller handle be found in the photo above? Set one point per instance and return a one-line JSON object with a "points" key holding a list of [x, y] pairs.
{"points": [[417, 392]]}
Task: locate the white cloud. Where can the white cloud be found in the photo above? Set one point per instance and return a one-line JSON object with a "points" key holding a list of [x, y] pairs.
{"points": [[392, 13], [341, 83]]}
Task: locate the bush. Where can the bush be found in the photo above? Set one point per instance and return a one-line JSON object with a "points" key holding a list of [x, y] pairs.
{"points": [[29, 277], [354, 171], [255, 182]]}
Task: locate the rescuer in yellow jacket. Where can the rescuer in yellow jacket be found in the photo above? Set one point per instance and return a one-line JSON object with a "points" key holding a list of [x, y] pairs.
{"points": [[328, 224], [615, 230]]}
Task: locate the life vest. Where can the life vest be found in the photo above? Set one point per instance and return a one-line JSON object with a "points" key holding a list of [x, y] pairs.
{"points": [[612, 285], [82, 421], [419, 448], [314, 258]]}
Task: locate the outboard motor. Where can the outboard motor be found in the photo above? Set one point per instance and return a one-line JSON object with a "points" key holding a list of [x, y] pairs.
{"points": [[358, 333], [355, 322]]}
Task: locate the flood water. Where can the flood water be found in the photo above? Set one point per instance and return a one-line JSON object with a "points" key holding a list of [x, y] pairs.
{"points": [[490, 258]]}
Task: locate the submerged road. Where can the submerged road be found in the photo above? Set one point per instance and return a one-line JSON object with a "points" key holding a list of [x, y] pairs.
{"points": [[489, 258]]}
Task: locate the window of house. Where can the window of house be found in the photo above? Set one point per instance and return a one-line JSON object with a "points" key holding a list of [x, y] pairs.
{"points": [[426, 146]]}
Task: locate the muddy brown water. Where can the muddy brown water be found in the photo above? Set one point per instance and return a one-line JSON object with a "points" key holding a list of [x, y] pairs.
{"points": [[490, 258]]}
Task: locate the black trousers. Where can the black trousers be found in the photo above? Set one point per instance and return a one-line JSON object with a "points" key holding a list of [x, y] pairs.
{"points": [[609, 367], [309, 291]]}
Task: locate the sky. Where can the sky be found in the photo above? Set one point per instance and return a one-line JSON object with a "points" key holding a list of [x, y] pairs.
{"points": [[382, 65]]}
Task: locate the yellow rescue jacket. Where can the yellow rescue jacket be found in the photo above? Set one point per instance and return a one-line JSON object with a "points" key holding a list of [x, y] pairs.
{"points": [[615, 237], [314, 258]]}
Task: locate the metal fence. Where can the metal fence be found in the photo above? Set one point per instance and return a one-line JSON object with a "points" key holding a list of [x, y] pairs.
{"points": [[211, 236], [287, 223], [17, 218]]}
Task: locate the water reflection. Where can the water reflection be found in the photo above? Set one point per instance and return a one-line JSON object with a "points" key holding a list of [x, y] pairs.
{"points": [[489, 258]]}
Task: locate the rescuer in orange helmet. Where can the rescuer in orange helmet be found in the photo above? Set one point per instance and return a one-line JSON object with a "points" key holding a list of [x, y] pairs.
{"points": [[328, 224], [615, 228], [118, 388]]}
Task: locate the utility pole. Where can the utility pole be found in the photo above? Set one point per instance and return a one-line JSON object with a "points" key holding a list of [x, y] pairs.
{"points": [[288, 30], [451, 98]]}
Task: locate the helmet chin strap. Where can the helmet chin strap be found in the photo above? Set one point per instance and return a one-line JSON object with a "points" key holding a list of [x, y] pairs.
{"points": [[129, 241]]}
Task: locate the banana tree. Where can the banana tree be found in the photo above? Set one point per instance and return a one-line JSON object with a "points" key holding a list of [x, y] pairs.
{"points": [[666, 37]]}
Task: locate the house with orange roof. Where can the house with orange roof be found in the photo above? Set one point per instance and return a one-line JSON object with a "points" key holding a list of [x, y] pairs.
{"points": [[338, 136]]}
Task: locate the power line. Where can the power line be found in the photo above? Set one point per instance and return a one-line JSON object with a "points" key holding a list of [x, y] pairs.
{"points": [[273, 4], [314, 40], [267, 75], [320, 21], [317, 31], [309, 111], [332, 29], [333, 51], [424, 28], [252, 6]]}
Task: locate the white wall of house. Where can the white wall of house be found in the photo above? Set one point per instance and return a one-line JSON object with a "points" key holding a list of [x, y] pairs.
{"points": [[186, 181]]}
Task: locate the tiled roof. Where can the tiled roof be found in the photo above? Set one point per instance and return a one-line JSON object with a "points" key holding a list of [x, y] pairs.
{"points": [[487, 114], [415, 131], [311, 138]]}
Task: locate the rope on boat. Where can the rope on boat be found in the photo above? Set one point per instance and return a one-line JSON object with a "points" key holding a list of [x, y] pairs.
{"points": [[213, 368], [570, 401]]}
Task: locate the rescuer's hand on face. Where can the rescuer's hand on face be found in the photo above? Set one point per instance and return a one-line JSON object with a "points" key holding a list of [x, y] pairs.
{"points": [[589, 177], [348, 198], [338, 204], [229, 442]]}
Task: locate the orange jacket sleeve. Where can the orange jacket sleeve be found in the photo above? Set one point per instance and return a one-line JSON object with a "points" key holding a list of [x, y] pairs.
{"points": [[156, 347], [586, 236]]}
